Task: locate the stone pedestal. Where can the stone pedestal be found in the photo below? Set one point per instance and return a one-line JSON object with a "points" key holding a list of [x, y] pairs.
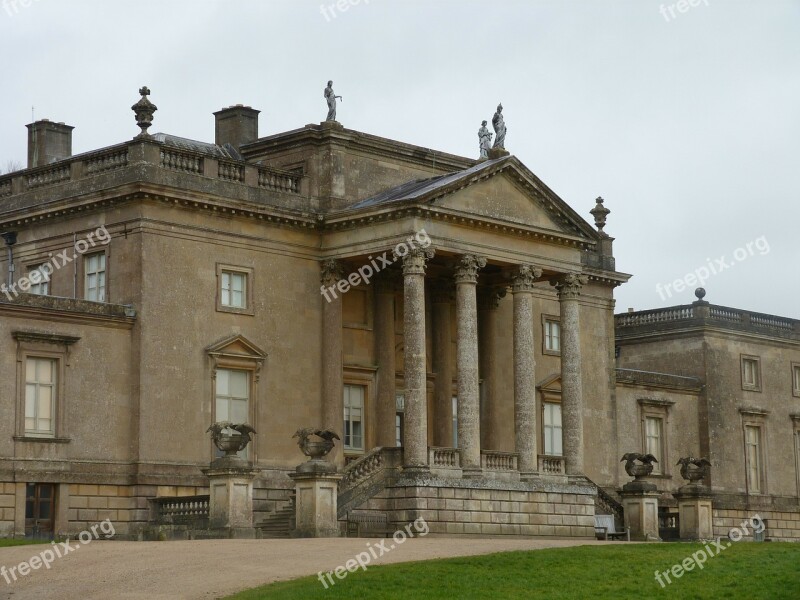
{"points": [[497, 153], [694, 509], [231, 497], [640, 503], [316, 496]]}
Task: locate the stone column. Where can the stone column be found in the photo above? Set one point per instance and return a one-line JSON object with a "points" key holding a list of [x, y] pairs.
{"points": [[491, 418], [332, 379], [524, 364], [569, 289], [415, 436], [442, 365], [469, 424], [385, 351]]}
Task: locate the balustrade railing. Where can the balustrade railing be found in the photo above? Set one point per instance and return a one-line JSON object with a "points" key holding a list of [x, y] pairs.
{"points": [[107, 161], [551, 465], [444, 458], [181, 509], [181, 161], [230, 171], [279, 181], [498, 461], [5, 187], [48, 176]]}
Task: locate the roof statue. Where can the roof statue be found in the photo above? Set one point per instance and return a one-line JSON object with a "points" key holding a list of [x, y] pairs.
{"points": [[484, 139], [331, 98], [499, 125]]}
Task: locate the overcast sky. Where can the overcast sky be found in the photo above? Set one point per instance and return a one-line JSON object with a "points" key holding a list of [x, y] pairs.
{"points": [[687, 123]]}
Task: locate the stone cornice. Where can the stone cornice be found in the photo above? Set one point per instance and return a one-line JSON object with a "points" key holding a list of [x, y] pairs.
{"points": [[68, 310], [318, 135], [47, 338]]}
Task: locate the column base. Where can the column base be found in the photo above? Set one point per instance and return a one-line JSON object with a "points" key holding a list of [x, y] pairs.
{"points": [[641, 514], [695, 510], [471, 472]]}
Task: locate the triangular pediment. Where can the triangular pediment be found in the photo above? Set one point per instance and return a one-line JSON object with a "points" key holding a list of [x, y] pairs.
{"points": [[236, 346], [500, 197], [550, 384], [501, 190]]}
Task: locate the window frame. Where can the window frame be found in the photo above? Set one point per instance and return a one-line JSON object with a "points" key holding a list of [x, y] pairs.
{"points": [[351, 450], [248, 273], [755, 418], [756, 385], [545, 402], [85, 273], [795, 379], [657, 408], [795, 417], [35, 345], [30, 267], [548, 319]]}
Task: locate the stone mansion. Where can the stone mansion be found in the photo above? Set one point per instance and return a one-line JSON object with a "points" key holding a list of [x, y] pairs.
{"points": [[478, 376]]}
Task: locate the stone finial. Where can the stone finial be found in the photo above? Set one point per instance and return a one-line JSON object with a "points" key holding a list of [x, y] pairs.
{"points": [[144, 110], [600, 212], [466, 269]]}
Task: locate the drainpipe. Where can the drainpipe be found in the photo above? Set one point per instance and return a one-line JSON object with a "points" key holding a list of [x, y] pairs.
{"points": [[10, 238]]}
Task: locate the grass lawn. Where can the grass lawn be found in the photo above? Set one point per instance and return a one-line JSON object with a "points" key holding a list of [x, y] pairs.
{"points": [[769, 571], [4, 542]]}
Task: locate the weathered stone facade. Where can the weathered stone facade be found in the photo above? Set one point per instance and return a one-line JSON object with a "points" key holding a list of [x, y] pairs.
{"points": [[138, 370]]}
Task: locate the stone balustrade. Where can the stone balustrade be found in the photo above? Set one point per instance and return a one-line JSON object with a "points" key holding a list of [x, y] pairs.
{"points": [[498, 461], [164, 156], [551, 465], [180, 510], [444, 458], [707, 314]]}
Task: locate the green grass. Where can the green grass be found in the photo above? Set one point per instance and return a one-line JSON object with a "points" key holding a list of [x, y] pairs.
{"points": [[766, 571], [4, 542]]}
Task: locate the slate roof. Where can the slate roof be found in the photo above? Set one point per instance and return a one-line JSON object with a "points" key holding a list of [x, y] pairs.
{"points": [[413, 190], [226, 151]]}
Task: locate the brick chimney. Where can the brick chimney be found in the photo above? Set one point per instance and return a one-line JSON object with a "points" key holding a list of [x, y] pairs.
{"points": [[236, 125], [48, 142]]}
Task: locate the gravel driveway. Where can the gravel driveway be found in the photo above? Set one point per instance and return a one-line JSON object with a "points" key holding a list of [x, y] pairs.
{"points": [[109, 570]]}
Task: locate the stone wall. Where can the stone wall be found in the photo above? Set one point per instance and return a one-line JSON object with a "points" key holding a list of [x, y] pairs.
{"points": [[781, 525], [483, 507]]}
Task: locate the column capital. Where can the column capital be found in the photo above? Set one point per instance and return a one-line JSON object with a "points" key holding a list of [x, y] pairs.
{"points": [[569, 285], [414, 261], [466, 269], [331, 271], [523, 277], [489, 298]]}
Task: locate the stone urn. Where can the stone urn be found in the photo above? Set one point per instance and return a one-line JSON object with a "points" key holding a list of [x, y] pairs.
{"points": [[694, 470], [316, 444], [231, 438], [638, 471]]}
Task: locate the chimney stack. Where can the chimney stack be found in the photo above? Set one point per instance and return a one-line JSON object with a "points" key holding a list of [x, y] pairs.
{"points": [[236, 125], [48, 142]]}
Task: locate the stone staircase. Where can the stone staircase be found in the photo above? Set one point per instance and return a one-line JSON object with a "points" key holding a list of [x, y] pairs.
{"points": [[279, 523], [367, 476]]}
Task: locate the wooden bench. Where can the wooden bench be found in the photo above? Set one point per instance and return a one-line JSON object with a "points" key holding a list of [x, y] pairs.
{"points": [[605, 529], [368, 524]]}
